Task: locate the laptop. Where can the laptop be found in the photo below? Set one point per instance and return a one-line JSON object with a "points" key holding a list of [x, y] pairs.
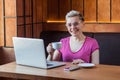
{"points": [[31, 52]]}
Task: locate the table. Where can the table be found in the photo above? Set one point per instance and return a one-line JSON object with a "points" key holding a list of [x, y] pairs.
{"points": [[99, 72]]}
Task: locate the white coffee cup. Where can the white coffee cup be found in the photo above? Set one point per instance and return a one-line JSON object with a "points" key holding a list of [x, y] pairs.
{"points": [[56, 45]]}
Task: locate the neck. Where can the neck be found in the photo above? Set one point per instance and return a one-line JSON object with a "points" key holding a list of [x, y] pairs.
{"points": [[80, 37]]}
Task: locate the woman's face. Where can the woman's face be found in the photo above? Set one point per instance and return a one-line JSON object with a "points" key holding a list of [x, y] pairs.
{"points": [[74, 25]]}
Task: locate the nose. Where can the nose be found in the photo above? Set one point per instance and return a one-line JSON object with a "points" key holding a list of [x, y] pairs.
{"points": [[73, 26]]}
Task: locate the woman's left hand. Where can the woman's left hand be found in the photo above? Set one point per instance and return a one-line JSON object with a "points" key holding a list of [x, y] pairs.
{"points": [[77, 61]]}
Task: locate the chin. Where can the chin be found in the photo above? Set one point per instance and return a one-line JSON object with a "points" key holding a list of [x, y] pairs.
{"points": [[74, 34]]}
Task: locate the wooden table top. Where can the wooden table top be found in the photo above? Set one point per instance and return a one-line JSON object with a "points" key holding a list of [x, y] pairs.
{"points": [[99, 72]]}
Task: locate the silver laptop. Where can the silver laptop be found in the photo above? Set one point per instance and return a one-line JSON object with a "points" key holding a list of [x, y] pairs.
{"points": [[31, 52]]}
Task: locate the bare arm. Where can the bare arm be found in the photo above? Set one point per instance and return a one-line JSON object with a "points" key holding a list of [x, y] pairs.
{"points": [[53, 55], [95, 57]]}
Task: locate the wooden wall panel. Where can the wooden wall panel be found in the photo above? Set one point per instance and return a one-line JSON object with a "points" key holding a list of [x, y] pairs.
{"points": [[30, 15], [37, 30], [31, 18], [115, 11], [90, 10], [44, 10], [28, 10], [39, 10], [34, 11], [64, 7], [28, 20], [52, 10], [9, 21], [19, 6], [112, 28], [20, 31], [77, 5], [28, 31], [54, 27], [10, 30], [1, 25], [62, 27], [103, 11], [20, 20], [89, 27], [10, 7], [95, 12]]}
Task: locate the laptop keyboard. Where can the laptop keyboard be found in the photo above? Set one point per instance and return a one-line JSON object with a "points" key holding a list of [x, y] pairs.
{"points": [[51, 63]]}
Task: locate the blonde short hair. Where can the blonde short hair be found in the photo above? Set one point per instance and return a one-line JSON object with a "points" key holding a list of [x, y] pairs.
{"points": [[73, 13]]}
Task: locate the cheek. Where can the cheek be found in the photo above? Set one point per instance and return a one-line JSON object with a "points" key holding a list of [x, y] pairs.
{"points": [[68, 28], [79, 27]]}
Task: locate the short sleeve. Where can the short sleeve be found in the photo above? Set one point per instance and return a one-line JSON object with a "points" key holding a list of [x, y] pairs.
{"points": [[95, 45], [64, 44]]}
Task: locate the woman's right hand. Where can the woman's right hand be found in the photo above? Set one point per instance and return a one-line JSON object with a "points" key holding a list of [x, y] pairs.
{"points": [[77, 61], [50, 50], [53, 55]]}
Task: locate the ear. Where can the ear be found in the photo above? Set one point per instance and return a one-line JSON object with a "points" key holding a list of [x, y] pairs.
{"points": [[83, 24]]}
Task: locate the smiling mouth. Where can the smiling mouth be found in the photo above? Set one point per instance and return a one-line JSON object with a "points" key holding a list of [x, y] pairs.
{"points": [[74, 31]]}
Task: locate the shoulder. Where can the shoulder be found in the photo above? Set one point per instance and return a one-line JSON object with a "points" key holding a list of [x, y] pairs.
{"points": [[91, 39]]}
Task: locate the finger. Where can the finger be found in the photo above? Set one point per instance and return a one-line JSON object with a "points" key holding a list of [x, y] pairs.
{"points": [[50, 44], [81, 61], [75, 62]]}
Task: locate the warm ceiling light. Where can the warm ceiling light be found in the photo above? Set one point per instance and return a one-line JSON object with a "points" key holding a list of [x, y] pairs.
{"points": [[115, 21], [55, 21]]}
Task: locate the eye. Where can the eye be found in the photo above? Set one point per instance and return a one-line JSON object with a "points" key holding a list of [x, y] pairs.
{"points": [[75, 24], [69, 24]]}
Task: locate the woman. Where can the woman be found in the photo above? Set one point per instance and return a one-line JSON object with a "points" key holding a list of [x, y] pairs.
{"points": [[76, 48]]}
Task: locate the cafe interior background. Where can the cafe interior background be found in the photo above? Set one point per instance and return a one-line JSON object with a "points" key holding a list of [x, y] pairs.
{"points": [[28, 18]]}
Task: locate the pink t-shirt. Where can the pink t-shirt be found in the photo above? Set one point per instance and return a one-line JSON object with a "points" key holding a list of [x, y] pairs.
{"points": [[89, 46]]}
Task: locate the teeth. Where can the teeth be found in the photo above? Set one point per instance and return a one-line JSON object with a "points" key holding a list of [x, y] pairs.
{"points": [[74, 31]]}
